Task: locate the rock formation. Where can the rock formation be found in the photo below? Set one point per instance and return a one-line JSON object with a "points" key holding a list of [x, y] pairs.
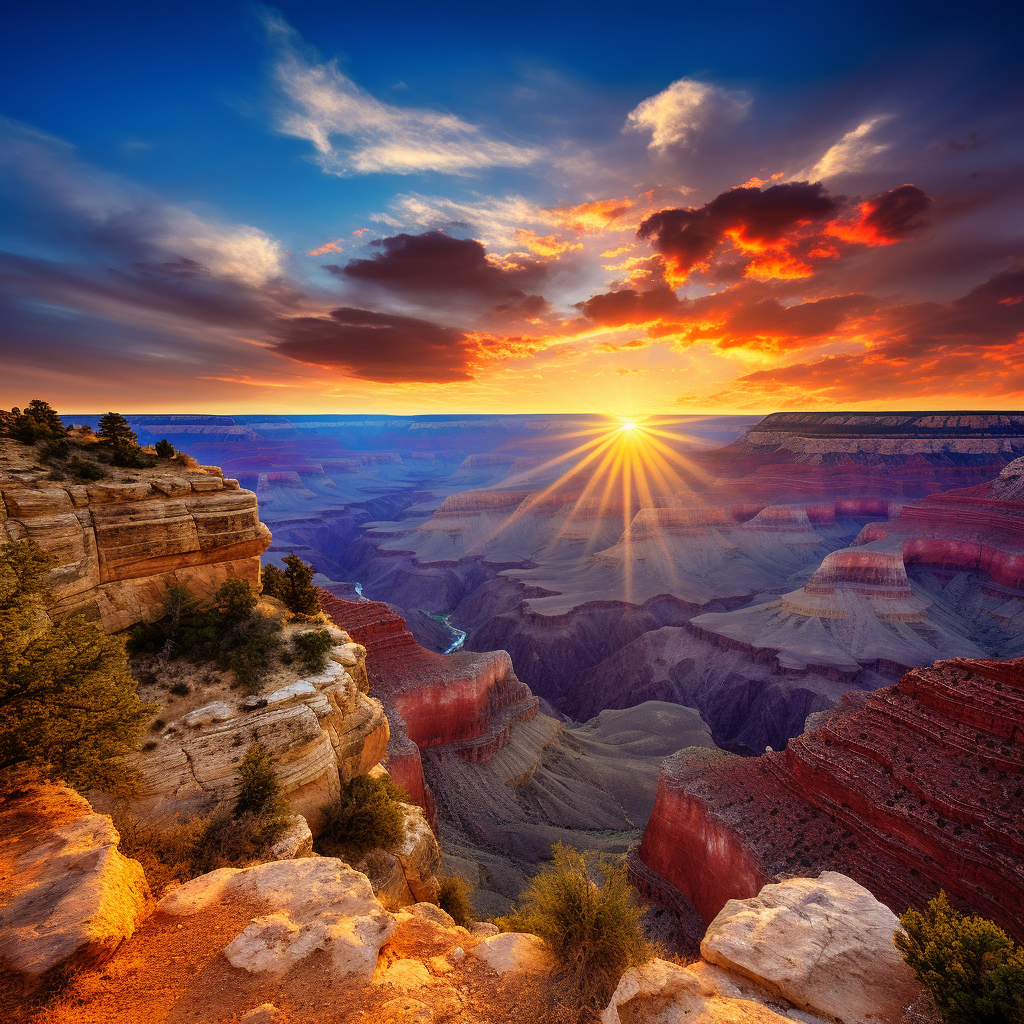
{"points": [[907, 790], [68, 898], [122, 544], [321, 730]]}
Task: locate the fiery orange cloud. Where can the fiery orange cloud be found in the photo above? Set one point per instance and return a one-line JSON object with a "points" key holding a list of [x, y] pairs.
{"points": [[589, 217], [756, 182], [548, 246], [326, 247], [884, 219], [778, 268]]}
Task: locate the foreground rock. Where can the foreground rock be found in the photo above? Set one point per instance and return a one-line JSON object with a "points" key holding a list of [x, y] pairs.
{"points": [[825, 945], [68, 898], [317, 903]]}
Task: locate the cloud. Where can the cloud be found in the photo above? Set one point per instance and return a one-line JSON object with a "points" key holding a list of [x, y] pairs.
{"points": [[751, 219], [381, 137], [433, 265], [886, 218], [972, 345], [853, 152], [676, 115], [379, 346], [745, 316]]}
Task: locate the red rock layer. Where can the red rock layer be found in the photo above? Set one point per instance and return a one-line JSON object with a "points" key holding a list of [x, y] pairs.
{"points": [[466, 701], [908, 789]]}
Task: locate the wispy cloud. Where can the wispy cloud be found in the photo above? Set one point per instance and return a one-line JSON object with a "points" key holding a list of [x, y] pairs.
{"points": [[853, 152], [379, 137], [678, 114]]}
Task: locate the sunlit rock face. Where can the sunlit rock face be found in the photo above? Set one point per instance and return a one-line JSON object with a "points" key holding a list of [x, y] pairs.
{"points": [[908, 789], [122, 545]]}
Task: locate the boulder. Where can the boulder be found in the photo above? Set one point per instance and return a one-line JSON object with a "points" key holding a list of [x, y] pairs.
{"points": [[419, 856], [514, 952], [296, 840], [406, 975], [68, 898], [659, 991], [824, 944], [315, 903]]}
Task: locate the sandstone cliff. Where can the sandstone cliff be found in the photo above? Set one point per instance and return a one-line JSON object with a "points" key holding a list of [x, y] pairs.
{"points": [[908, 789], [123, 543]]}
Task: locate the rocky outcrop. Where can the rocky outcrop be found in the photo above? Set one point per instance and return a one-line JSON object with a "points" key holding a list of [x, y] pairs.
{"points": [[825, 945], [68, 898], [907, 790], [807, 949], [122, 545], [303, 906], [321, 730]]}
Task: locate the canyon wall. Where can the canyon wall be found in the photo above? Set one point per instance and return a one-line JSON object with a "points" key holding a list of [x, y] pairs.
{"points": [[122, 544], [908, 789]]}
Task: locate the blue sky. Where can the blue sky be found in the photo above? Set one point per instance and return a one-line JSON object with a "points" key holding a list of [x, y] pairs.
{"points": [[139, 129]]}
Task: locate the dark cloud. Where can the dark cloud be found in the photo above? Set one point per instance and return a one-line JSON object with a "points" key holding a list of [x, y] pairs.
{"points": [[898, 212], [433, 266], [689, 236], [379, 346]]}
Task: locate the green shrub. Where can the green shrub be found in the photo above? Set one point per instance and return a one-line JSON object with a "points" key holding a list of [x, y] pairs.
{"points": [[67, 700], [592, 929], [294, 585], [164, 449], [971, 967], [311, 649], [129, 455], [235, 599], [367, 816], [453, 899], [38, 422], [82, 469], [258, 787]]}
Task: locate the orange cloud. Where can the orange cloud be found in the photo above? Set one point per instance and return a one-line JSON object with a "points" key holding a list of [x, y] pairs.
{"points": [[885, 219], [327, 247], [548, 246], [589, 217], [756, 182]]}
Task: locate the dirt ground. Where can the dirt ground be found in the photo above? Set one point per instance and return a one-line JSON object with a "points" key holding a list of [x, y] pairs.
{"points": [[173, 971]]}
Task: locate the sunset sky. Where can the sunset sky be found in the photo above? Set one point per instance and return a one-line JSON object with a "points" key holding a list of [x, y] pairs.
{"points": [[540, 207]]}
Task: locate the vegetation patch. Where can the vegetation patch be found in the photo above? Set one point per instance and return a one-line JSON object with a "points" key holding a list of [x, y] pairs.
{"points": [[453, 899], [591, 925], [312, 648], [366, 816], [293, 585], [970, 966]]}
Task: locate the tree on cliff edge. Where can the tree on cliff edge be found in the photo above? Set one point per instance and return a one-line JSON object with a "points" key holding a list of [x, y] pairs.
{"points": [[294, 586], [67, 701], [114, 427]]}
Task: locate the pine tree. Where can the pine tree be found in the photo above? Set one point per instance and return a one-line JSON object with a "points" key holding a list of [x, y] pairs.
{"points": [[38, 422], [114, 427], [67, 700], [294, 586]]}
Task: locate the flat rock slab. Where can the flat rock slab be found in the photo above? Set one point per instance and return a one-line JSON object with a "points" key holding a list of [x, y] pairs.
{"points": [[67, 896], [824, 944], [315, 903]]}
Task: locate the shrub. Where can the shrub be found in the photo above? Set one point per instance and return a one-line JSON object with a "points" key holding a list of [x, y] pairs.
{"points": [[311, 649], [592, 930], [367, 816], [164, 449], [294, 585], [82, 469], [38, 422], [258, 787], [235, 599], [453, 899], [130, 456], [67, 700], [971, 967]]}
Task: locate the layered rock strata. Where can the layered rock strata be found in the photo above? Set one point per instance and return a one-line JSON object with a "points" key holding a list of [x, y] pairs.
{"points": [[122, 545], [464, 703], [321, 730], [907, 790]]}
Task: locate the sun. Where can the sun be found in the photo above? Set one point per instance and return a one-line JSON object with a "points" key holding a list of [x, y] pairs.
{"points": [[629, 425]]}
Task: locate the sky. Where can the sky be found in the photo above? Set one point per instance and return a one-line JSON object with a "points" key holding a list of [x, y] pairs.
{"points": [[424, 208]]}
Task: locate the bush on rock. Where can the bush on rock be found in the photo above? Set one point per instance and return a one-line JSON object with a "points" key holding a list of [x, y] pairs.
{"points": [[368, 815], [970, 966]]}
